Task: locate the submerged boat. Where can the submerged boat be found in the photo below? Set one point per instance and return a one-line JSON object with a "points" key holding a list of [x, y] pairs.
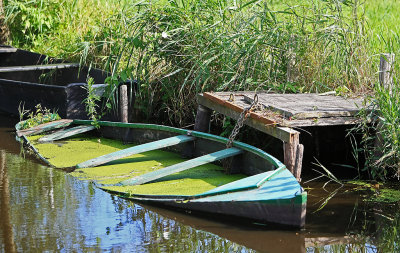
{"points": [[28, 79], [173, 167]]}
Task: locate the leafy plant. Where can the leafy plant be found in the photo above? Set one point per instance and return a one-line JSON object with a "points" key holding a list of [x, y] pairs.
{"points": [[36, 117], [92, 102]]}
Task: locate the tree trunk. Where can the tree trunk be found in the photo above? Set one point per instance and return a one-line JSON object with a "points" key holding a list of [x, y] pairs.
{"points": [[4, 32]]}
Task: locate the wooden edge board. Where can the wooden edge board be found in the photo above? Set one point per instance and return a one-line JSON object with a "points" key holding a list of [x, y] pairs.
{"points": [[62, 134], [237, 108], [151, 176], [135, 150], [336, 121], [45, 127], [38, 67], [282, 133]]}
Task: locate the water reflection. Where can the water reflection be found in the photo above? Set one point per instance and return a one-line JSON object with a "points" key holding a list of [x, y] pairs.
{"points": [[48, 210], [6, 226]]}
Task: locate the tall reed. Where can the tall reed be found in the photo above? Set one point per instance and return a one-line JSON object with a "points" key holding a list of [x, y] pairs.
{"points": [[182, 48]]}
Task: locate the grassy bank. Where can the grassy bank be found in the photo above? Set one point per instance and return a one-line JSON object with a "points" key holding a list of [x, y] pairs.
{"points": [[179, 48]]}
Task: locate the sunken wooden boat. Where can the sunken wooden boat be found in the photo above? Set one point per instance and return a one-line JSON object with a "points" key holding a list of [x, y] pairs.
{"points": [[173, 167], [28, 79]]}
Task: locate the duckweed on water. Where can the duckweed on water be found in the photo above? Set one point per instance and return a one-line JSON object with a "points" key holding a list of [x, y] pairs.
{"points": [[68, 153], [380, 192], [386, 195]]}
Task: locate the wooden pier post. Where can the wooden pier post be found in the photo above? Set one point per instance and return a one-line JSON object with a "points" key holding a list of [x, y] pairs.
{"points": [[203, 117], [385, 71], [385, 80], [123, 103], [293, 155], [201, 124]]}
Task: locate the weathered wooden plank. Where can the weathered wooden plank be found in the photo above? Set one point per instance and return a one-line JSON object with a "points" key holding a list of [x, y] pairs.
{"points": [[45, 127], [151, 176], [282, 133], [66, 133], [8, 50], [237, 108], [334, 121], [135, 150], [123, 103], [38, 67], [305, 106], [290, 153]]}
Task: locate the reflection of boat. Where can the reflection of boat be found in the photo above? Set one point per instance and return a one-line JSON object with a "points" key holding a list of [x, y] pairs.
{"points": [[29, 79], [257, 187], [262, 238]]}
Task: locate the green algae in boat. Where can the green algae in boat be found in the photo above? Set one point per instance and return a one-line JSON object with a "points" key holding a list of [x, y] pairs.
{"points": [[145, 162]]}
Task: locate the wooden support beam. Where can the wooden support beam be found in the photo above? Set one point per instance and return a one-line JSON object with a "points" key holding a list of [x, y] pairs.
{"points": [[299, 162], [136, 150], [385, 71], [38, 67], [282, 133], [202, 122], [123, 103], [151, 176], [45, 127], [62, 134], [289, 152]]}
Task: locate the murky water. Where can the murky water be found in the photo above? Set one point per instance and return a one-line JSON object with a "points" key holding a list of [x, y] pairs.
{"points": [[44, 209]]}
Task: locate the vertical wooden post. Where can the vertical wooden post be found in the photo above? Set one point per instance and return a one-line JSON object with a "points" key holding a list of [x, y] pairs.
{"points": [[202, 122], [385, 71], [291, 71], [293, 155], [386, 80], [123, 103]]}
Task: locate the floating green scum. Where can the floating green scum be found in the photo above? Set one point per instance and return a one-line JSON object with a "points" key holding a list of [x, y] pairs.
{"points": [[84, 147]]}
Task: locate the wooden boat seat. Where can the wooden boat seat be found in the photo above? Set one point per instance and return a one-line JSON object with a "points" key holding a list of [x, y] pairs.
{"points": [[136, 150], [45, 127], [38, 67], [66, 133], [151, 176]]}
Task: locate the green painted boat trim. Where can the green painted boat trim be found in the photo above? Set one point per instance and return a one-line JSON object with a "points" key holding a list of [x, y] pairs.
{"points": [[237, 144], [135, 150], [300, 199], [62, 134], [151, 176], [242, 185], [214, 192]]}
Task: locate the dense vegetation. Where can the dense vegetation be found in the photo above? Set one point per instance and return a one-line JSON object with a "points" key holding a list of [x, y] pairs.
{"points": [[179, 48]]}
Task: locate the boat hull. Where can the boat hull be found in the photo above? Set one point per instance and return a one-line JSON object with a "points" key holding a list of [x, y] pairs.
{"points": [[60, 90], [268, 193]]}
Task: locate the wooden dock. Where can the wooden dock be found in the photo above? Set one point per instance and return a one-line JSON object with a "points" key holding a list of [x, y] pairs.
{"points": [[278, 115]]}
